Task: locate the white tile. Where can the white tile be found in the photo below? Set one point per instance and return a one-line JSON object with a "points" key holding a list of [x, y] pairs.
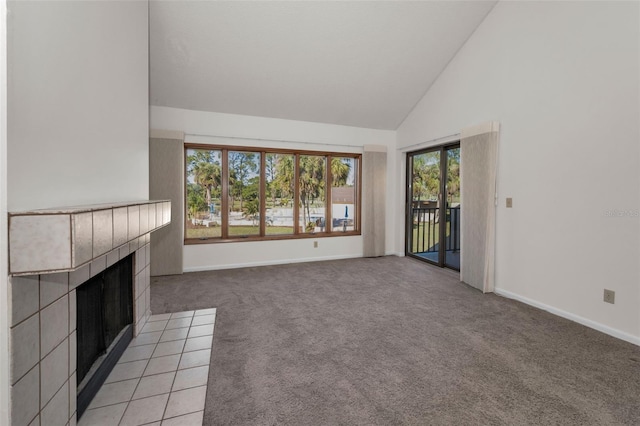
{"points": [[120, 226], [73, 352], [126, 371], [137, 353], [137, 286], [139, 324], [141, 307], [159, 317], [73, 314], [78, 276], [52, 287], [152, 216], [105, 416], [203, 320], [114, 393], [178, 323], [124, 251], [166, 212], [201, 330], [98, 265], [25, 347], [193, 419], [186, 401], [73, 394], [39, 243], [183, 314], [209, 311], [140, 259], [72, 420], [176, 334], [159, 214], [154, 326], [25, 403], [54, 372], [190, 378], [24, 297], [195, 359], [146, 339], [163, 364], [198, 343], [54, 325], [82, 242], [112, 257], [147, 295], [56, 412], [145, 410], [36, 421], [102, 232], [134, 222], [144, 218], [154, 385], [169, 348], [148, 251]]}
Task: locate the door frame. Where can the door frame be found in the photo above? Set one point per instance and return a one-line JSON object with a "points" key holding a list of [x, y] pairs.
{"points": [[442, 209]]}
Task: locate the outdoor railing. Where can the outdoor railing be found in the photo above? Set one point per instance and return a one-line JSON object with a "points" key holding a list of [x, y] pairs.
{"points": [[426, 227]]}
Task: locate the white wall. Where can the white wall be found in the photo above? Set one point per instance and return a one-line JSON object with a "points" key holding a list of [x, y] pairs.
{"points": [[4, 305], [563, 79], [77, 115], [291, 134], [78, 102]]}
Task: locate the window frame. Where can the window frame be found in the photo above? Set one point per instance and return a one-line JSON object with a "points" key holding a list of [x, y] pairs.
{"points": [[327, 233]]}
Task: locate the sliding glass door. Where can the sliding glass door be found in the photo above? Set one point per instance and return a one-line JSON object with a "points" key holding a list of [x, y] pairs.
{"points": [[433, 206]]}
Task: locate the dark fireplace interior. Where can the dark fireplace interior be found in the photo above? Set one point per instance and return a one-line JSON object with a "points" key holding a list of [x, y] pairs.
{"points": [[104, 326]]}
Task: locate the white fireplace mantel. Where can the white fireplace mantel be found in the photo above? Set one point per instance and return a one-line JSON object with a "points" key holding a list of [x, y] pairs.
{"points": [[59, 240]]}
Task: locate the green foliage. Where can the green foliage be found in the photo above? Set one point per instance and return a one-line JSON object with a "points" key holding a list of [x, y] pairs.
{"points": [[340, 169], [203, 169], [312, 182], [281, 181], [195, 199], [242, 167]]}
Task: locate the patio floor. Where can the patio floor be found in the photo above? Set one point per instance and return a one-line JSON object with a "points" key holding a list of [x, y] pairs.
{"points": [[452, 258]]}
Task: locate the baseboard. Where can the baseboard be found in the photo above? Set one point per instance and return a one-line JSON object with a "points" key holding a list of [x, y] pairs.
{"points": [[269, 263], [575, 318]]}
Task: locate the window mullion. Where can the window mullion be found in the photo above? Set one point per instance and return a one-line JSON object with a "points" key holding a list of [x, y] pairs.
{"points": [[296, 196], [328, 221], [262, 193], [224, 202]]}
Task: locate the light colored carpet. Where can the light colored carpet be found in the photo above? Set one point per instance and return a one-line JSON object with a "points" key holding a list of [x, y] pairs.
{"points": [[392, 341]]}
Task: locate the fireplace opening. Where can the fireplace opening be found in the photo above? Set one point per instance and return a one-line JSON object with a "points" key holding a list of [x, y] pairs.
{"points": [[104, 326]]}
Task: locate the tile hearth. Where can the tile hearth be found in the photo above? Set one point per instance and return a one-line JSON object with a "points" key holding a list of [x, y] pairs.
{"points": [[161, 378]]}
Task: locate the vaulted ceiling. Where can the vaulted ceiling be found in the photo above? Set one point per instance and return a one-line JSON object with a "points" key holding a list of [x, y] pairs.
{"points": [[362, 64]]}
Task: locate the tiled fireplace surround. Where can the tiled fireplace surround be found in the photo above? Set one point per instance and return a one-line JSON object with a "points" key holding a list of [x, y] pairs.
{"points": [[43, 306]]}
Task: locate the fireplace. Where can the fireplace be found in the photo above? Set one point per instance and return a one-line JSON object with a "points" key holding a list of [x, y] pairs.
{"points": [[56, 258], [104, 312]]}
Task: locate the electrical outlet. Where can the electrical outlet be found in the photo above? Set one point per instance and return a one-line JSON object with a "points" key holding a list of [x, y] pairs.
{"points": [[509, 202], [609, 296], [315, 244]]}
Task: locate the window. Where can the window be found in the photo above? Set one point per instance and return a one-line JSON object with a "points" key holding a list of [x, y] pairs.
{"points": [[248, 194], [343, 194]]}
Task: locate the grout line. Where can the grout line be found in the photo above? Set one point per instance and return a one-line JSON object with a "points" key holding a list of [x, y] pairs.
{"points": [[175, 372], [185, 414]]}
